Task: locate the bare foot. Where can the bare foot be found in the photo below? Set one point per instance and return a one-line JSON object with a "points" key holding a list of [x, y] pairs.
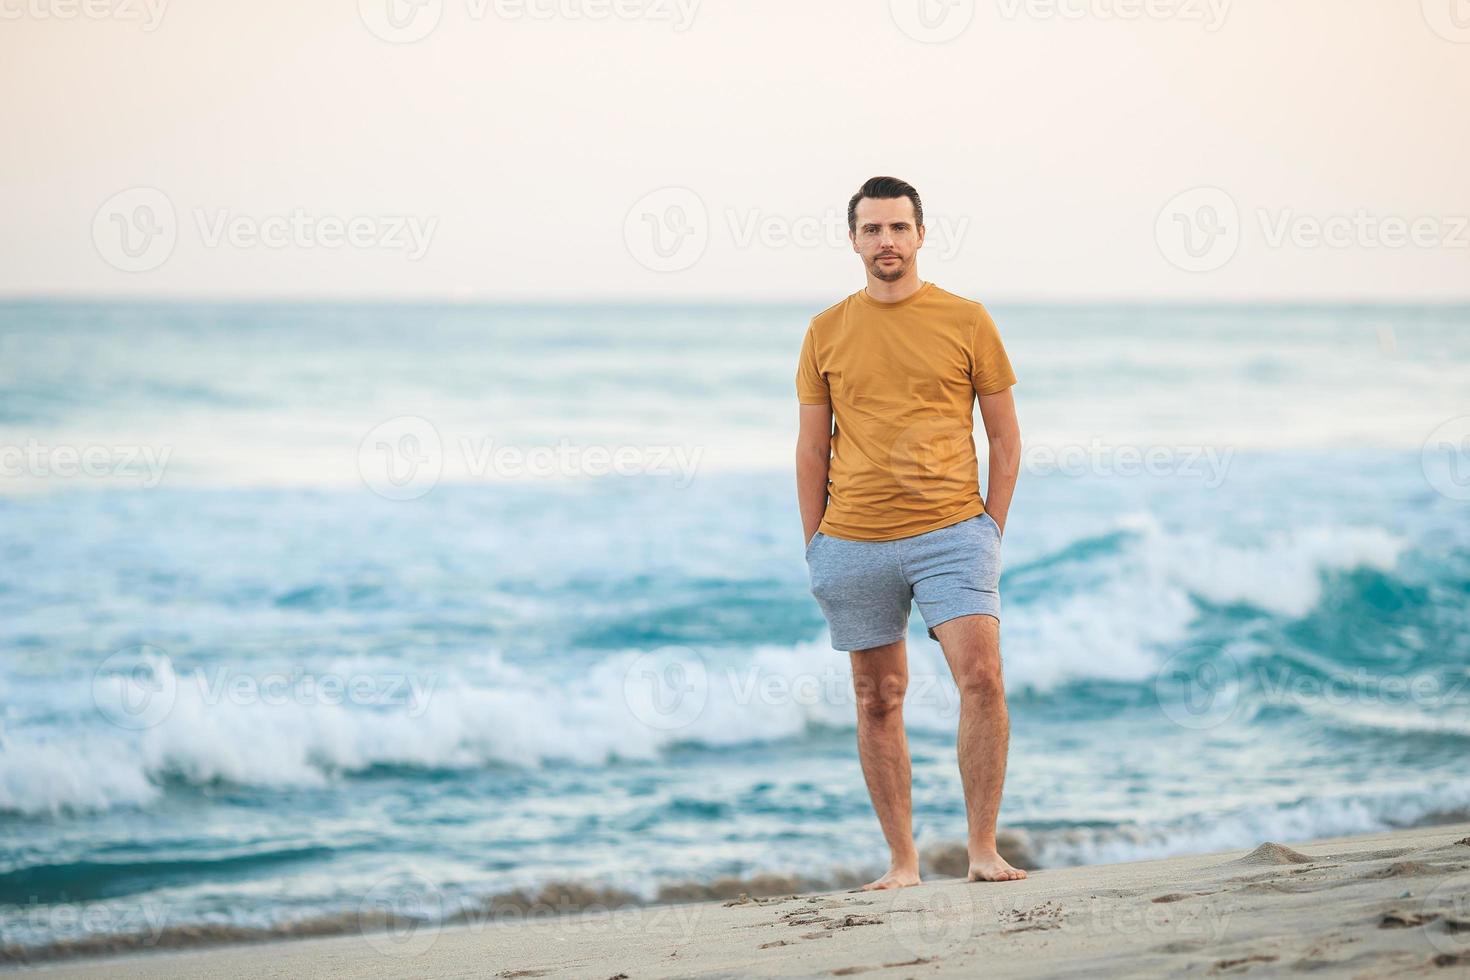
{"points": [[990, 866], [898, 877]]}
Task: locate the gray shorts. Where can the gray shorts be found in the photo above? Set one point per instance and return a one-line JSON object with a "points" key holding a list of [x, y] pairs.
{"points": [[865, 588]]}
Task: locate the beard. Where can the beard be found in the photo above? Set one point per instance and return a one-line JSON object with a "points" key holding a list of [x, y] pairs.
{"points": [[889, 273]]}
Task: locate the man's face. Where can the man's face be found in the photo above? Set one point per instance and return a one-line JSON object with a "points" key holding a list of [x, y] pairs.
{"points": [[886, 237]]}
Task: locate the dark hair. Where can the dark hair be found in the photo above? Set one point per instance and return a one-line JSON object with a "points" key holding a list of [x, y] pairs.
{"points": [[881, 187]]}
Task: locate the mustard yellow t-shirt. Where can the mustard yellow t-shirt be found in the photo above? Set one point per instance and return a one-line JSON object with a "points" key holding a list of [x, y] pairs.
{"points": [[901, 379]]}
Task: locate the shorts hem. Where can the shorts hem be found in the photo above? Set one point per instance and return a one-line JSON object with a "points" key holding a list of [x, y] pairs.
{"points": [[993, 613], [866, 644]]}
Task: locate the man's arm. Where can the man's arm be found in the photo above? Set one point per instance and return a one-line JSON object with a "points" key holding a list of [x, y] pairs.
{"points": [[813, 456], [998, 410]]}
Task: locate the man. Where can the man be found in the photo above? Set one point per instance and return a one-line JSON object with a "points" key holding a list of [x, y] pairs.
{"points": [[891, 507]]}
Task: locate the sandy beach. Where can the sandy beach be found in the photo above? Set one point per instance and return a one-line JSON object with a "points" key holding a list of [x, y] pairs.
{"points": [[1394, 903]]}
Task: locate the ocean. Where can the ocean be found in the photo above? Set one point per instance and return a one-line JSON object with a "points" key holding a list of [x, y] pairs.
{"points": [[312, 611]]}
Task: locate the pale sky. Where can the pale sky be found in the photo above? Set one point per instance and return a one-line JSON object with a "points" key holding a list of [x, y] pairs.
{"points": [[705, 149]]}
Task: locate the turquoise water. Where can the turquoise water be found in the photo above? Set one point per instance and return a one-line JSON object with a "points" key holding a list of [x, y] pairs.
{"points": [[285, 646]]}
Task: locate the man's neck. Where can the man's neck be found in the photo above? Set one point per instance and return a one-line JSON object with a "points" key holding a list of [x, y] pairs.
{"points": [[893, 292]]}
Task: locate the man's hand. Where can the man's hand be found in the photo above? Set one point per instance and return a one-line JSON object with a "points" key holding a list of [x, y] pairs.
{"points": [[813, 457], [998, 410]]}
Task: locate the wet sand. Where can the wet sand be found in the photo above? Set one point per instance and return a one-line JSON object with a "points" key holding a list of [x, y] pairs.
{"points": [[1393, 903]]}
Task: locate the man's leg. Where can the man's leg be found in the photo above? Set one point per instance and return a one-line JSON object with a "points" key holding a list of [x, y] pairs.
{"points": [[880, 678], [972, 646]]}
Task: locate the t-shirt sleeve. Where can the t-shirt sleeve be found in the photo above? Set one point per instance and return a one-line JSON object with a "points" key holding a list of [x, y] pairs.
{"points": [[811, 386], [990, 368]]}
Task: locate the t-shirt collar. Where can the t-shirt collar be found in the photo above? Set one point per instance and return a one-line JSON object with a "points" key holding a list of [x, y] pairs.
{"points": [[862, 295]]}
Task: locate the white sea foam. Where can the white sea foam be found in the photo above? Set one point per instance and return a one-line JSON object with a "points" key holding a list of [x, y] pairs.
{"points": [[1301, 820], [1120, 626]]}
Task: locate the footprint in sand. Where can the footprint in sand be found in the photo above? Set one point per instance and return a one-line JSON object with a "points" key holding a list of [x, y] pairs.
{"points": [[1179, 896], [1405, 869], [1244, 961], [847, 971]]}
